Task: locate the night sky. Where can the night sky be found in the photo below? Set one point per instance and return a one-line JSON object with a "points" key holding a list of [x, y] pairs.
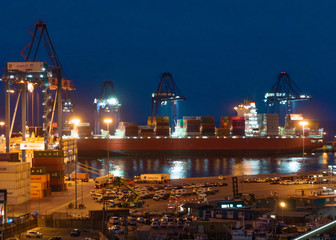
{"points": [[219, 52]]}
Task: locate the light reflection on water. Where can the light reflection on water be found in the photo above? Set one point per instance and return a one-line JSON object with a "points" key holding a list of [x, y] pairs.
{"points": [[183, 167]]}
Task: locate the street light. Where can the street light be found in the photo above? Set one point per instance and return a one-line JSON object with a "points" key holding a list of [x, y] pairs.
{"points": [[75, 122], [303, 124], [2, 124], [282, 205], [108, 121]]}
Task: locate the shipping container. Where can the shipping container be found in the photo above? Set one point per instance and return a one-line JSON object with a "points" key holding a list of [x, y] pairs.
{"points": [[10, 177], [38, 171], [51, 167], [39, 178], [48, 154], [17, 200], [56, 181], [14, 184], [46, 161], [38, 186], [56, 174], [36, 194], [80, 175], [9, 157], [16, 192], [57, 188], [238, 132]]}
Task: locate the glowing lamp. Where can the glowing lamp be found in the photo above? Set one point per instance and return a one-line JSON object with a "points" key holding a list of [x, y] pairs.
{"points": [[107, 120]]}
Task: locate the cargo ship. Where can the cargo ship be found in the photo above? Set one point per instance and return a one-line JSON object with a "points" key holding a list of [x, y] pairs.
{"points": [[167, 146], [248, 133]]}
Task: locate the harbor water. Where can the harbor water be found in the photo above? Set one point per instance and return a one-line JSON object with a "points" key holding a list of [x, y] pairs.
{"points": [[190, 167]]}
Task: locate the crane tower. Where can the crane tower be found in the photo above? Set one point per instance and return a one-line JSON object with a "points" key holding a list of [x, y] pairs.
{"points": [[107, 106], [47, 74], [167, 91], [284, 93]]}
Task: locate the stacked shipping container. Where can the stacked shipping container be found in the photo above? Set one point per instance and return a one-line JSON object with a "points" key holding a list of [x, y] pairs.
{"points": [[238, 126], [53, 161], [192, 126], [15, 177], [160, 125], [129, 129], [268, 124], [146, 131], [208, 126], [70, 149], [224, 126], [40, 182]]}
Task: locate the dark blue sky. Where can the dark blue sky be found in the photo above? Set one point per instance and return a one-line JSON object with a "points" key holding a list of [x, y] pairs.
{"points": [[219, 52]]}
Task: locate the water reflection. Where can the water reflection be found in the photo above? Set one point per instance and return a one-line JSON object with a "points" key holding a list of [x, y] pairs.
{"points": [[182, 167]]}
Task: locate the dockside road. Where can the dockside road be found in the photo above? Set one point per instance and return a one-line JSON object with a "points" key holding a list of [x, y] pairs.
{"points": [[58, 202]]}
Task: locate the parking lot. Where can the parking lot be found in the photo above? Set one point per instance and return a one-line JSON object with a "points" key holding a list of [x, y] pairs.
{"points": [[59, 201]]}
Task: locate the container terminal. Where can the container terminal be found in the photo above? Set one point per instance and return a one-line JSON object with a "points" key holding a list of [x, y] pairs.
{"points": [[36, 163]]}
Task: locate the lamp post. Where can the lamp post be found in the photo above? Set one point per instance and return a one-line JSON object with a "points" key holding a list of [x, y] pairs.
{"points": [[282, 205], [75, 122], [303, 124], [108, 121]]}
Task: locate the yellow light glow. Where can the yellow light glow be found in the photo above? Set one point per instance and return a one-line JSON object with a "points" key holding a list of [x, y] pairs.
{"points": [[75, 121], [30, 87], [107, 120], [283, 204], [2, 124], [303, 123]]}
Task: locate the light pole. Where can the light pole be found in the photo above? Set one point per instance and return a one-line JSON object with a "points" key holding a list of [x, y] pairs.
{"points": [[303, 124], [75, 122], [282, 205], [108, 121]]}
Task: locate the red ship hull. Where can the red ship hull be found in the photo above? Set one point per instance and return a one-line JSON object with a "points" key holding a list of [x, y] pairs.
{"points": [[183, 146]]}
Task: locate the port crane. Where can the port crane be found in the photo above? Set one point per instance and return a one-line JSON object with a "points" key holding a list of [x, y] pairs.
{"points": [[32, 73], [167, 91], [108, 104], [284, 92]]}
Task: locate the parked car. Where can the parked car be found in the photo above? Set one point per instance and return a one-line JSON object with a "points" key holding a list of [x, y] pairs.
{"points": [[75, 232], [116, 229], [171, 224], [155, 224], [163, 224], [33, 234], [140, 219], [132, 222], [111, 203], [114, 220]]}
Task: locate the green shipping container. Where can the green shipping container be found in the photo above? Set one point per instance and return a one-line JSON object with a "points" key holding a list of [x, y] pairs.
{"points": [[57, 174], [48, 154], [38, 171]]}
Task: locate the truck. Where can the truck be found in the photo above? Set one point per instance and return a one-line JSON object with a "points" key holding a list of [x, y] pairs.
{"points": [[159, 177], [80, 176], [101, 181]]}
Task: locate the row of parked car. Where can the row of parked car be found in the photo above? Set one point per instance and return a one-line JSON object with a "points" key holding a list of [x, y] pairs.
{"points": [[166, 221]]}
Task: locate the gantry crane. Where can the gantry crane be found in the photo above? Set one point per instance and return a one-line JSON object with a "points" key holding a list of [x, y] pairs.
{"points": [[167, 91], [106, 106], [47, 74], [284, 92]]}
